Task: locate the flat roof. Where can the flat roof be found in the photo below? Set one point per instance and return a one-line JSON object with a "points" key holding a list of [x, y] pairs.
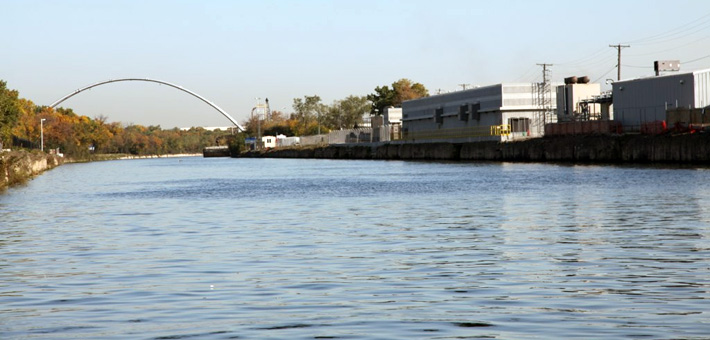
{"points": [[667, 75]]}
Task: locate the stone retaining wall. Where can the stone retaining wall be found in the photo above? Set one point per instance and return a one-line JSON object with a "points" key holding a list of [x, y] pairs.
{"points": [[17, 166], [687, 148]]}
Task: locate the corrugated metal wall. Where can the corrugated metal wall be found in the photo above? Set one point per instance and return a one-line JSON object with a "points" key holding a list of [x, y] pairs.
{"points": [[644, 100], [702, 88], [418, 114], [490, 98]]}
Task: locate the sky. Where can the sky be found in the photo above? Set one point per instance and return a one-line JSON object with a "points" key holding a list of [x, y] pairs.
{"points": [[235, 53]]}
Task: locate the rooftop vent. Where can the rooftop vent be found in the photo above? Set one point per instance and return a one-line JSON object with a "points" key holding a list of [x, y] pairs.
{"points": [[576, 80]]}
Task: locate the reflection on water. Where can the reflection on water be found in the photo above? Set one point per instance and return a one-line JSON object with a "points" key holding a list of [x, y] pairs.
{"points": [[304, 249]]}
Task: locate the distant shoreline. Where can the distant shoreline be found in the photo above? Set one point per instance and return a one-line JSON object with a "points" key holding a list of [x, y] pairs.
{"points": [[161, 156], [114, 157]]}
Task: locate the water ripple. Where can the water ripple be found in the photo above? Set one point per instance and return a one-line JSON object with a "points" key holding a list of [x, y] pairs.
{"points": [[317, 249]]}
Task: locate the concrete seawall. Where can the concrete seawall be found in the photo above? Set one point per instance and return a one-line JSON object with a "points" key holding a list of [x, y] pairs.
{"points": [[17, 166], [688, 148]]}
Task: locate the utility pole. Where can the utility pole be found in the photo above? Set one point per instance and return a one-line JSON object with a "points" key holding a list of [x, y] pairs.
{"points": [[258, 108], [268, 110], [545, 72], [463, 86], [544, 98], [41, 132], [618, 48]]}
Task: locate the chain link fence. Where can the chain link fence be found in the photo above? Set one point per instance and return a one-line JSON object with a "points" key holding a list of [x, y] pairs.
{"points": [[385, 133]]}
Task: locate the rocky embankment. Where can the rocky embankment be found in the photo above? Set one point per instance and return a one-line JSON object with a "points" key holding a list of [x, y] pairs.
{"points": [[687, 148], [18, 166]]}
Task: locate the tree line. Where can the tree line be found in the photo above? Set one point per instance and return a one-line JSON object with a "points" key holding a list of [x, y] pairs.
{"points": [[311, 116], [79, 136]]}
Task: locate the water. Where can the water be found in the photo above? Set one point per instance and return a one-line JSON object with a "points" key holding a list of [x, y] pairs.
{"points": [[318, 249]]}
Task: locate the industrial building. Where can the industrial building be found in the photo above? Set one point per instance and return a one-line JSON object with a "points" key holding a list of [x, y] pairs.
{"points": [[497, 112], [645, 100], [580, 100], [582, 108]]}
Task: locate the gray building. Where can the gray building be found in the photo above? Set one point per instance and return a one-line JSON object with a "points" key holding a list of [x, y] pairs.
{"points": [[496, 112], [638, 101]]}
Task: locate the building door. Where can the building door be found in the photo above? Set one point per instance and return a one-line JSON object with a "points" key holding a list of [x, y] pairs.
{"points": [[519, 127]]}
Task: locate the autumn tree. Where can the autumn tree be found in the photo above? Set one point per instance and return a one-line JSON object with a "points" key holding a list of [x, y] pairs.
{"points": [[401, 90], [405, 90], [27, 125], [278, 116]]}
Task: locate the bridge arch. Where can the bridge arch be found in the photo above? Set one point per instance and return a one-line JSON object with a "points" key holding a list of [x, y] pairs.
{"points": [[213, 105]]}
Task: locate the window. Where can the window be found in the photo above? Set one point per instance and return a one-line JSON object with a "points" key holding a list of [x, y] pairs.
{"points": [[439, 115], [519, 125], [463, 113], [475, 114]]}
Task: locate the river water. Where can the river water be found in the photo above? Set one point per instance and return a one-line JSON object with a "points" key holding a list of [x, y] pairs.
{"points": [[194, 248]]}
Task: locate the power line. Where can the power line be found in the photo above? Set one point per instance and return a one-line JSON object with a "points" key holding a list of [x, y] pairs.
{"points": [[669, 49], [604, 75], [680, 29], [598, 62], [677, 36], [636, 66], [694, 60], [595, 63], [527, 73], [584, 59]]}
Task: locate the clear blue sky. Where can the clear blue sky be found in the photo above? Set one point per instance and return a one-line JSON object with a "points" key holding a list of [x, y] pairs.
{"points": [[232, 52]]}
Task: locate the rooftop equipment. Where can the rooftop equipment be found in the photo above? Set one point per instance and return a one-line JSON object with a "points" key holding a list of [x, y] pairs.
{"points": [[666, 66]]}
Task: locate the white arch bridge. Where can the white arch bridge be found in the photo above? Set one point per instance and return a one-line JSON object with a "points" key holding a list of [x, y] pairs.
{"points": [[213, 105]]}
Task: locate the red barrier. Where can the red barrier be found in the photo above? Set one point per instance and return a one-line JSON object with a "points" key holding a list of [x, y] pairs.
{"points": [[592, 127], [654, 128]]}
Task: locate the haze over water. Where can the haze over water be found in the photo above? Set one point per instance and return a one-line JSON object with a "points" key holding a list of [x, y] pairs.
{"points": [[306, 249]]}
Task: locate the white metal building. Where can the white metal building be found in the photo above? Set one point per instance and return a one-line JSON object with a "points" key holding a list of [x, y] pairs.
{"points": [[282, 140], [268, 142], [570, 105], [481, 113], [638, 101], [393, 115]]}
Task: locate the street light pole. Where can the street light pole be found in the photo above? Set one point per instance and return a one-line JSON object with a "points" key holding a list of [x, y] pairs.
{"points": [[41, 133]]}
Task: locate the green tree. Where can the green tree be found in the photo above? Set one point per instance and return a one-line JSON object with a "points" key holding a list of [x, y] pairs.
{"points": [[382, 98], [350, 111], [9, 112], [236, 143], [307, 112]]}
